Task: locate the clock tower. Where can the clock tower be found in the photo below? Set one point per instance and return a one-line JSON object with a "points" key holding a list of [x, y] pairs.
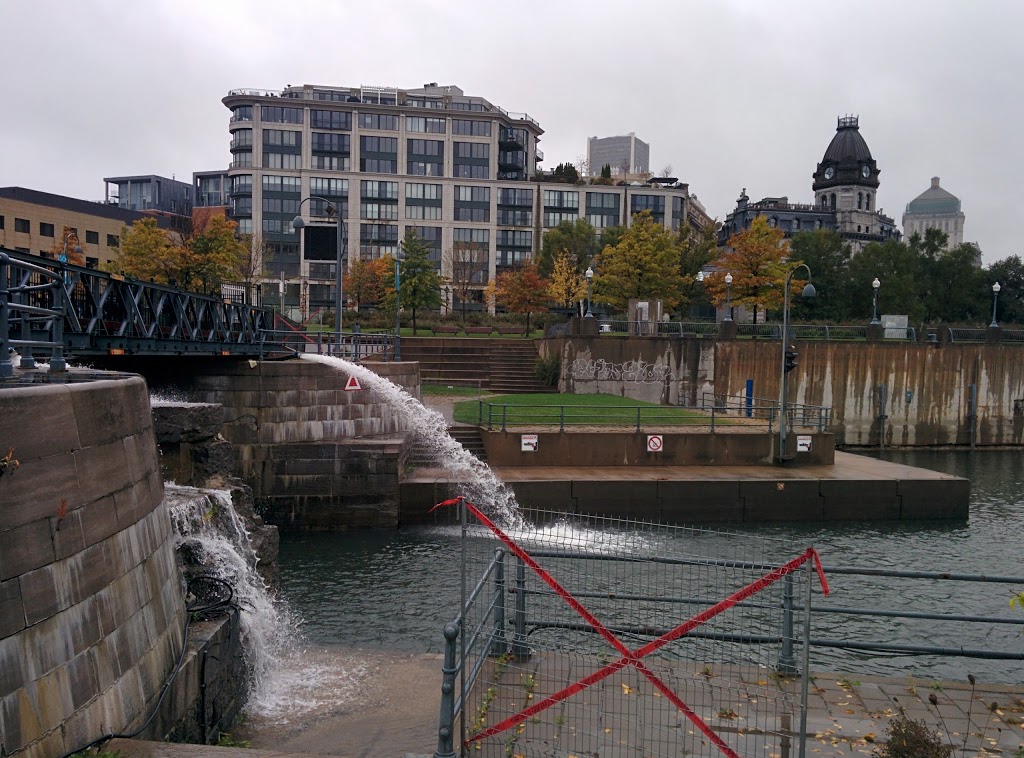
{"points": [[846, 183]]}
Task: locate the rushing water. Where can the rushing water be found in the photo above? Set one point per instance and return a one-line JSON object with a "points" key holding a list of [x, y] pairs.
{"points": [[396, 590]]}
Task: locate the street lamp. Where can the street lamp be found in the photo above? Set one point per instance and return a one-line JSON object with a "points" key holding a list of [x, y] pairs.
{"points": [[63, 258], [874, 308], [728, 298], [398, 306], [331, 209], [995, 299], [788, 355], [590, 276]]}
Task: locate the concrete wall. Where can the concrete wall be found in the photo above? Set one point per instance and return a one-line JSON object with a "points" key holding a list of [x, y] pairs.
{"points": [[91, 609], [293, 426]]}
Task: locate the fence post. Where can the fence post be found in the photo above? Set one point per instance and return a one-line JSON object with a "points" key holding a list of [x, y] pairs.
{"points": [[27, 359], [519, 649], [6, 367], [713, 407], [60, 304], [479, 412], [805, 678], [499, 646], [638, 419], [787, 661], [446, 728], [561, 418], [504, 416]]}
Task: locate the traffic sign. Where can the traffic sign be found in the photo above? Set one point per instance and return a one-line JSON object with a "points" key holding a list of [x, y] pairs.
{"points": [[352, 384], [655, 442]]}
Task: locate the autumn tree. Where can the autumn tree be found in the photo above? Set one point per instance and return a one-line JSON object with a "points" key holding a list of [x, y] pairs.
{"points": [[419, 281], [74, 249], [756, 259], [577, 238], [566, 285], [522, 290], [645, 264], [465, 266], [367, 280], [254, 264], [145, 252], [697, 248]]}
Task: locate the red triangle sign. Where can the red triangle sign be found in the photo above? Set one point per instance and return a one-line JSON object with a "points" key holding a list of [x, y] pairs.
{"points": [[352, 384]]}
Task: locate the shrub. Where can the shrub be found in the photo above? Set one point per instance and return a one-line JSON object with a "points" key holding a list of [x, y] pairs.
{"points": [[548, 369], [912, 739]]}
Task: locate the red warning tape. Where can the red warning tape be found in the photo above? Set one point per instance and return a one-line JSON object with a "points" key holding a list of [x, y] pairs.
{"points": [[631, 657]]}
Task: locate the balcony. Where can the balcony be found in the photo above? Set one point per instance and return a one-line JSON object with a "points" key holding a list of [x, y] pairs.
{"points": [[508, 140], [538, 155]]}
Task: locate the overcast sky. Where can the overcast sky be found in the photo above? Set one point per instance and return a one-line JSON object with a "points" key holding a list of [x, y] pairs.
{"points": [[731, 94]]}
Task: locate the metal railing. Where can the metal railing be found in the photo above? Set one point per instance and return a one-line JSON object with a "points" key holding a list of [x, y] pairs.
{"points": [[355, 346], [826, 332], [798, 415], [36, 297]]}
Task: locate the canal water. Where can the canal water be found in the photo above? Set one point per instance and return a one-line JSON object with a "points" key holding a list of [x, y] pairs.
{"points": [[395, 590]]}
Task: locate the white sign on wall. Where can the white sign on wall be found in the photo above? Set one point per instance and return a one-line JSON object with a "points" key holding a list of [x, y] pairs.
{"points": [[655, 442], [528, 443], [803, 443]]}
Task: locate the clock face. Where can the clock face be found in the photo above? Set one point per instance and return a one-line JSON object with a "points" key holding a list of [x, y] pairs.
{"points": [[865, 171], [830, 172]]}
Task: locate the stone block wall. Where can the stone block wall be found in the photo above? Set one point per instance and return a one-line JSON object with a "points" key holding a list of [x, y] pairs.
{"points": [[91, 608]]}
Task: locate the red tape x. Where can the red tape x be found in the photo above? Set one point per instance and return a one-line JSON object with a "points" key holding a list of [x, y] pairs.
{"points": [[631, 657]]}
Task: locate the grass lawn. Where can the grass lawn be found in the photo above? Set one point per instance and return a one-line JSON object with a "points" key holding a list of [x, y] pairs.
{"points": [[577, 410]]}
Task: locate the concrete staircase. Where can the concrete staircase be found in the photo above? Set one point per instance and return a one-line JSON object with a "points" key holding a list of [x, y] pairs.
{"points": [[512, 367], [468, 436]]}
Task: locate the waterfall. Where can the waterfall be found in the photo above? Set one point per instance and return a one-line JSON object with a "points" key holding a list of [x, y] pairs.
{"points": [[474, 479], [288, 680]]}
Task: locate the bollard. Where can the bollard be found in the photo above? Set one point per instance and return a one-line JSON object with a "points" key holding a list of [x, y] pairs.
{"points": [[520, 651], [787, 661], [446, 721], [499, 646]]}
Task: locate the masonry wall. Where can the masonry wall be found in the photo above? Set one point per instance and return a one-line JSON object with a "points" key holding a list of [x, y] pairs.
{"points": [[317, 457], [91, 608]]}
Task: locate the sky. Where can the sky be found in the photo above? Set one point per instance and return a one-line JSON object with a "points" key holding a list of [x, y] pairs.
{"points": [[729, 93]]}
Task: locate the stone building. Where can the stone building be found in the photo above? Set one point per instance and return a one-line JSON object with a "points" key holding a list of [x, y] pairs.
{"points": [[935, 208]]}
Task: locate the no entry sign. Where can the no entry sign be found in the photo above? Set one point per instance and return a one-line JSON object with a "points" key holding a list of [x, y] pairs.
{"points": [[655, 442]]}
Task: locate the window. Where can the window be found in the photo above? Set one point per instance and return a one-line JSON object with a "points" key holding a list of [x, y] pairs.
{"points": [[383, 211], [92, 238], [796, 225], [470, 171], [653, 203], [511, 238], [378, 121], [241, 184], [242, 160], [510, 196], [773, 222], [332, 143], [832, 200], [273, 183], [241, 113], [552, 219], [277, 114], [422, 191], [113, 240], [860, 199], [480, 150], [379, 190], [378, 166], [45, 230], [608, 200], [378, 144], [282, 160], [242, 205], [289, 206], [330, 119], [284, 137], [562, 199], [277, 226], [471, 127], [867, 201], [319, 185], [330, 162], [472, 194], [242, 138], [418, 124], [424, 212], [514, 217], [1, 222], [477, 236], [463, 213]]}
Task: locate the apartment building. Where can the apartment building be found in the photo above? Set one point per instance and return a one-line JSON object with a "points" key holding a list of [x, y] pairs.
{"points": [[34, 222], [625, 154], [455, 168]]}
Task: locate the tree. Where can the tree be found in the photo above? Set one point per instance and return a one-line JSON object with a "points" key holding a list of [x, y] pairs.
{"points": [[145, 252], [576, 238], [645, 264], [828, 257], [610, 236], [1009, 272], [897, 268], [582, 166], [566, 285], [755, 258], [465, 264], [214, 256], [420, 282], [255, 262], [697, 248], [59, 249], [606, 171], [367, 280], [666, 171], [959, 288], [565, 172], [522, 290]]}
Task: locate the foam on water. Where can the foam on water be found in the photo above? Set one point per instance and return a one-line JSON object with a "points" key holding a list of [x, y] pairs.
{"points": [[288, 681]]}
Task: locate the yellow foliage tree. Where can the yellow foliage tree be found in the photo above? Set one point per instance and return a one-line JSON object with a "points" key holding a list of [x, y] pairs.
{"points": [[757, 260], [644, 264], [75, 247], [566, 285]]}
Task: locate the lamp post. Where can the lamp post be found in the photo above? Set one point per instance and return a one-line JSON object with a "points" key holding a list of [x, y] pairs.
{"points": [[590, 276], [332, 209], [398, 307], [874, 308], [808, 292], [728, 298], [995, 299]]}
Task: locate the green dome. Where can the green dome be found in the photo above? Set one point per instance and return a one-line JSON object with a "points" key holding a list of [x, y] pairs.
{"points": [[934, 200]]}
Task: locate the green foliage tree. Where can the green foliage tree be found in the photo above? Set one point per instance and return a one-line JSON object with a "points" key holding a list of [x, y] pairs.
{"points": [[566, 172], [610, 236], [756, 258], [522, 290], [576, 238], [1009, 272], [697, 248], [144, 252], [606, 171], [420, 283], [828, 257], [958, 288], [897, 268], [645, 264]]}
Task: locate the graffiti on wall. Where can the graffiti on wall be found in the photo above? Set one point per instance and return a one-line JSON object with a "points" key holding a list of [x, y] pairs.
{"points": [[638, 372]]}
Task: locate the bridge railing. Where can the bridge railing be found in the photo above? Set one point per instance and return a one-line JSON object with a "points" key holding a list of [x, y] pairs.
{"points": [[35, 297], [351, 346]]}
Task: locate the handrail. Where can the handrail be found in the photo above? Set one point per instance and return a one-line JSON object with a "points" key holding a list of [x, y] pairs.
{"points": [[40, 307], [350, 345]]}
